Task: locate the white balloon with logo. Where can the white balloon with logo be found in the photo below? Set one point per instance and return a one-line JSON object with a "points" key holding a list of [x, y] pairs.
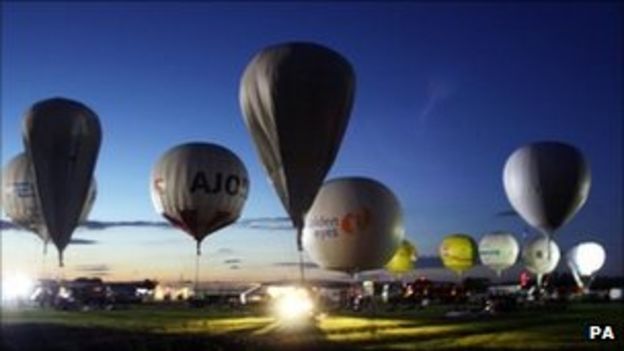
{"points": [[355, 224]]}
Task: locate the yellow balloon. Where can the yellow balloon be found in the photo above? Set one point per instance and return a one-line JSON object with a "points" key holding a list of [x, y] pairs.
{"points": [[403, 259], [458, 252]]}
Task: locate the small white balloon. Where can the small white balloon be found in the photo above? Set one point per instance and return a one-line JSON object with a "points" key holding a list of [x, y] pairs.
{"points": [[586, 258], [498, 251], [541, 255]]}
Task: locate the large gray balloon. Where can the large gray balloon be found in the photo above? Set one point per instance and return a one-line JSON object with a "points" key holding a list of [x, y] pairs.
{"points": [[62, 137], [547, 183], [199, 187], [296, 100], [355, 224]]}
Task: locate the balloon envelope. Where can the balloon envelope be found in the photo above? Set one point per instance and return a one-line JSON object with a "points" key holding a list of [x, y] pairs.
{"points": [[20, 197], [586, 258], [498, 251], [547, 183], [538, 258], [403, 259], [199, 187], [62, 138], [458, 252], [355, 224], [296, 99]]}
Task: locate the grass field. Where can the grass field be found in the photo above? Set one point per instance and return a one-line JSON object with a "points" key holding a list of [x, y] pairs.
{"points": [[182, 328]]}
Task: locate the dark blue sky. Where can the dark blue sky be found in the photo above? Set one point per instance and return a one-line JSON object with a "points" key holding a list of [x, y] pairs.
{"points": [[444, 94]]}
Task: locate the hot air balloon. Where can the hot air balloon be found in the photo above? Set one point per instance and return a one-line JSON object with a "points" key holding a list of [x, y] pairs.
{"points": [[547, 183], [296, 100], [458, 252], [584, 260], [199, 188], [498, 251], [62, 137], [403, 260], [20, 197], [355, 224], [540, 256]]}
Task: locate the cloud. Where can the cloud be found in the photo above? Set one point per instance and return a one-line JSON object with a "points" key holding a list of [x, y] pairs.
{"points": [[93, 268], [98, 225], [266, 223], [78, 241], [507, 213], [438, 90], [224, 251], [101, 225], [232, 261], [261, 223], [429, 262], [296, 264], [6, 225]]}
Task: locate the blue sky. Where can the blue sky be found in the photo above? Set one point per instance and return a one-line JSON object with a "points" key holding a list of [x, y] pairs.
{"points": [[444, 94]]}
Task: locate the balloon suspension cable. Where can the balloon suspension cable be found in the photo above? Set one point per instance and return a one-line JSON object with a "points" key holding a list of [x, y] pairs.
{"points": [[43, 261], [60, 276], [548, 250], [374, 313], [577, 278], [589, 281], [197, 256], [300, 249]]}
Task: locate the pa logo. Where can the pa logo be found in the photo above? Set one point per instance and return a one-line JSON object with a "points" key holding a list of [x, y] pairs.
{"points": [[600, 332]]}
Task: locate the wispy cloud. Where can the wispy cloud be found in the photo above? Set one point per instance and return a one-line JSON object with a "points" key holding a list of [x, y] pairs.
{"points": [[6, 225], [266, 223], [429, 262], [438, 90], [93, 268], [260, 223], [79, 241], [224, 251], [232, 261], [507, 213], [101, 225], [295, 264]]}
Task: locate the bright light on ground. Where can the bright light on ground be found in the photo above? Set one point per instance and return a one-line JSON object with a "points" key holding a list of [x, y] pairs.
{"points": [[291, 303], [15, 286]]}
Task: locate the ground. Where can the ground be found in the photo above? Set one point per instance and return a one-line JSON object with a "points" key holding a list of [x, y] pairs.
{"points": [[183, 328]]}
